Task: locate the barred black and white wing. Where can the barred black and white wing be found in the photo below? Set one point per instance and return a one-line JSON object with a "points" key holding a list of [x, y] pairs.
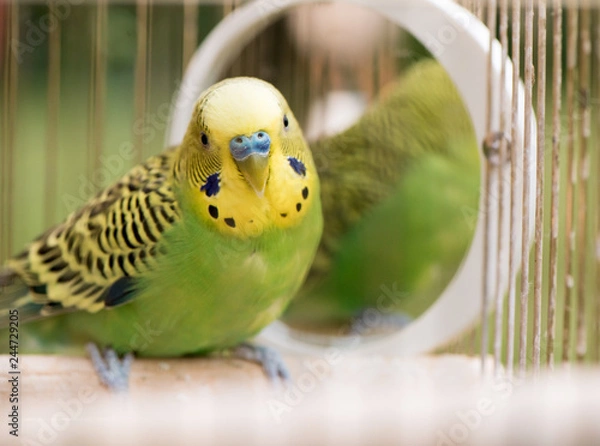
{"points": [[89, 261]]}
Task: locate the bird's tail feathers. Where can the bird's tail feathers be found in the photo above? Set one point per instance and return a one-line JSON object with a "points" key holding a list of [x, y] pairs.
{"points": [[15, 294]]}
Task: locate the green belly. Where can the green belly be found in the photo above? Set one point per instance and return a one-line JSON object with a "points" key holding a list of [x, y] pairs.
{"points": [[208, 292]]}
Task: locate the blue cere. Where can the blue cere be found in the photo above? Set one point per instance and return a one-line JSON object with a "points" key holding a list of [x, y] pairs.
{"points": [[242, 147]]}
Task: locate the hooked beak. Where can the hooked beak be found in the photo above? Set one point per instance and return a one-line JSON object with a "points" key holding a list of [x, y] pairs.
{"points": [[252, 157]]}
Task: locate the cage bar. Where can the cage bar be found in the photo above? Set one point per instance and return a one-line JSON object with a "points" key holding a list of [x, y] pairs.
{"points": [[190, 31], [493, 168], [556, 178], [540, 176], [97, 93], [11, 88], [596, 112], [526, 245], [572, 25], [585, 52], [512, 268], [141, 86], [52, 118], [503, 107]]}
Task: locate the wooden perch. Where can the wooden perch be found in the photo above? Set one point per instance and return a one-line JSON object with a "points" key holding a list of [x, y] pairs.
{"points": [[377, 400]]}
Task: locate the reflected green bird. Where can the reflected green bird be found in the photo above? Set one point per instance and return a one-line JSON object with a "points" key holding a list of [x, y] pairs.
{"points": [[195, 250], [400, 191]]}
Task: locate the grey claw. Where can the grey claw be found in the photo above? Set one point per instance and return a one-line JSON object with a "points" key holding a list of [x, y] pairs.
{"points": [[271, 361], [372, 320], [112, 371]]}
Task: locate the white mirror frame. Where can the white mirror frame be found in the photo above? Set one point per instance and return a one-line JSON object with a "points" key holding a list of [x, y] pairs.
{"points": [[460, 42]]}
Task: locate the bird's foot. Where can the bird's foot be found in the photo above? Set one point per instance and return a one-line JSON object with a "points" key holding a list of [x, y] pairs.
{"points": [[269, 359], [112, 371], [371, 320]]}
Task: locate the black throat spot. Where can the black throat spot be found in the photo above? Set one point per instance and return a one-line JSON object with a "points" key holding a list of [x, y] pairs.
{"points": [[212, 185]]}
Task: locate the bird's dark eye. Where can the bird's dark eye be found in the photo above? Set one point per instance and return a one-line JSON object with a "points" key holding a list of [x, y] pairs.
{"points": [[286, 123], [204, 139]]}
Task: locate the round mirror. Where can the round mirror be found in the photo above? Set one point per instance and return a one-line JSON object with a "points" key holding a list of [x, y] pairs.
{"points": [[397, 159], [396, 141]]}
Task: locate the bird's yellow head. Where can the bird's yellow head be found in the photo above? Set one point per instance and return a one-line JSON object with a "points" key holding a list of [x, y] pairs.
{"points": [[244, 163]]}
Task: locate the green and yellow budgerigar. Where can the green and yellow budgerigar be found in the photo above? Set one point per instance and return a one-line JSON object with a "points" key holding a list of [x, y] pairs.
{"points": [[199, 247], [400, 191]]}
